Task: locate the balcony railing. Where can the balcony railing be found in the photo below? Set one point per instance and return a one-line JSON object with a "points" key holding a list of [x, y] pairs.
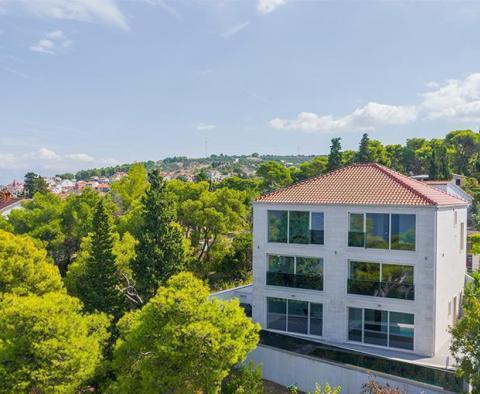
{"points": [[356, 239], [381, 289], [440, 377], [313, 282]]}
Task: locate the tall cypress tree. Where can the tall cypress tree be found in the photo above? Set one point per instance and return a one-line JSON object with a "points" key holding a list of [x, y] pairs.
{"points": [[159, 250], [99, 288], [335, 155], [433, 170], [364, 154]]}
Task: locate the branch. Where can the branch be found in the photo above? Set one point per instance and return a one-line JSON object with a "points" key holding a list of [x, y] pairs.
{"points": [[130, 292]]}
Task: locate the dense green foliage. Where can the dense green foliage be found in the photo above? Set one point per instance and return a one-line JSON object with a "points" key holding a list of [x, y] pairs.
{"points": [[274, 175], [25, 268], [99, 284], [34, 183], [47, 345], [159, 252], [244, 379], [465, 345], [180, 341], [335, 155]]}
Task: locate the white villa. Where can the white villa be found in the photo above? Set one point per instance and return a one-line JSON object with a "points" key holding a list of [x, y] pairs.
{"points": [[364, 265]]}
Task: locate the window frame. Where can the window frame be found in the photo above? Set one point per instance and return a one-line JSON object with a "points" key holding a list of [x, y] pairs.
{"points": [[310, 212]]}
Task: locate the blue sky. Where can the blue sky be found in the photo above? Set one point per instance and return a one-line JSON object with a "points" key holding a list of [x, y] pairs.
{"points": [[88, 83]]}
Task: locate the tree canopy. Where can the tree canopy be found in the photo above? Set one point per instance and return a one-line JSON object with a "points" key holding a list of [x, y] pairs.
{"points": [[99, 283], [34, 183], [47, 345], [465, 344], [25, 268], [181, 341], [159, 252], [274, 175]]}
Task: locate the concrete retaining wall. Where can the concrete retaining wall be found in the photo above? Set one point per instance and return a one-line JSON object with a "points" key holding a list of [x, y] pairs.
{"points": [[288, 368]]}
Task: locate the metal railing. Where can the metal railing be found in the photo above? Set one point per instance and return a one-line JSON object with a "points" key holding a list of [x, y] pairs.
{"points": [[439, 377], [300, 281], [381, 289]]}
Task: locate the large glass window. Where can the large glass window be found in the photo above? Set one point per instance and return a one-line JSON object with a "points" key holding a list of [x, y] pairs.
{"points": [[401, 330], [299, 227], [355, 324], [294, 316], [377, 230], [382, 328], [375, 327], [403, 232], [317, 228], [277, 314], [381, 280], [373, 230], [299, 272], [277, 226], [298, 316]]}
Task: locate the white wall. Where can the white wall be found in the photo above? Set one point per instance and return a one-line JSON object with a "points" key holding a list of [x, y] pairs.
{"points": [[336, 255], [287, 368], [451, 269]]}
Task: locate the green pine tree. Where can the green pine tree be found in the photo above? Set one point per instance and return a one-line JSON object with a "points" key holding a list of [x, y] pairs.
{"points": [[335, 156], [433, 165], [444, 172], [159, 251], [364, 154], [34, 183], [99, 287]]}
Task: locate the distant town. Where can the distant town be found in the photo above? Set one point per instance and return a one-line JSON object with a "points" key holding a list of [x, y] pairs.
{"points": [[214, 168]]}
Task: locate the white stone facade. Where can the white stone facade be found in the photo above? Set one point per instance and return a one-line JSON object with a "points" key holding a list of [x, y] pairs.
{"points": [[438, 261]]}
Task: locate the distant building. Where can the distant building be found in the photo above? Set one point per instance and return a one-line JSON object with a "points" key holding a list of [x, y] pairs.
{"points": [[8, 202], [16, 188], [103, 187], [118, 175]]}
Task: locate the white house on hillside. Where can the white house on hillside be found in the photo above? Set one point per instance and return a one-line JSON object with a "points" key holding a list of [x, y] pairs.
{"points": [[360, 256]]}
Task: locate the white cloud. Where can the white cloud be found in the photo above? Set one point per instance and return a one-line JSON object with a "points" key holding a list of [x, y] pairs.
{"points": [[82, 157], [44, 46], [369, 117], [56, 35], [266, 6], [456, 99], [43, 154], [235, 29], [104, 11], [46, 161], [52, 41], [203, 126]]}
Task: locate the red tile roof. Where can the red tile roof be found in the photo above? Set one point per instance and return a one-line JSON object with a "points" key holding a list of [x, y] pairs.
{"points": [[5, 204], [361, 184]]}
